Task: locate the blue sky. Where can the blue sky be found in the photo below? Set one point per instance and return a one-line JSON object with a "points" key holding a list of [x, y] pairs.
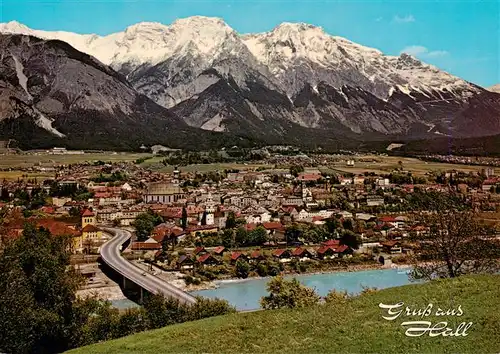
{"points": [[459, 36]]}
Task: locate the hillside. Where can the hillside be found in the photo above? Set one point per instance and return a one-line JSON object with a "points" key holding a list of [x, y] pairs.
{"points": [[357, 326], [52, 94]]}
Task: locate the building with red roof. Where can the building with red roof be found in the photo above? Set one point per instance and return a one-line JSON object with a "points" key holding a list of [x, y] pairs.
{"points": [[281, 253], [235, 256], [199, 250], [145, 246], [300, 252], [219, 251], [256, 255], [207, 259], [88, 213]]}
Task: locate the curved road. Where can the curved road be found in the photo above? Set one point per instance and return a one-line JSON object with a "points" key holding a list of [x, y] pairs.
{"points": [[110, 254]]}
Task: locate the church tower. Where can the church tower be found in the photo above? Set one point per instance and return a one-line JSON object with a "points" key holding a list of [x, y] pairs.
{"points": [[88, 218], [210, 209], [176, 176]]}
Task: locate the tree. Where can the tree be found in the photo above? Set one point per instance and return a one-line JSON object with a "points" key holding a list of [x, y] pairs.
{"points": [[228, 238], [258, 236], [456, 244], [288, 294], [295, 170], [241, 269], [292, 233], [241, 237], [41, 314], [4, 195], [204, 218], [37, 290], [348, 224], [75, 212], [145, 223], [184, 218], [350, 239], [332, 225]]}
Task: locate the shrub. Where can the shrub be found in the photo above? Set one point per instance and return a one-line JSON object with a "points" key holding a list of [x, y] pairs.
{"points": [[288, 294], [241, 269], [335, 296], [367, 290], [209, 307], [191, 280], [302, 267], [400, 259], [262, 270], [274, 269]]}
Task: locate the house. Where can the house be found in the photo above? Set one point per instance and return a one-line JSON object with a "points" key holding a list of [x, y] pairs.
{"points": [[326, 252], [207, 259], [374, 201], [487, 184], [235, 256], [90, 232], [345, 214], [163, 193], [185, 262], [345, 181], [343, 251], [302, 254], [56, 228], [201, 229], [199, 250], [392, 247], [283, 255], [219, 251], [365, 217], [331, 243], [359, 180], [308, 177], [256, 256], [332, 249], [388, 221], [145, 246], [273, 227]]}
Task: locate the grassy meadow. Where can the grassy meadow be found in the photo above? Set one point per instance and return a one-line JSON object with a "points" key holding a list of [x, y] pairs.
{"points": [[356, 326]]}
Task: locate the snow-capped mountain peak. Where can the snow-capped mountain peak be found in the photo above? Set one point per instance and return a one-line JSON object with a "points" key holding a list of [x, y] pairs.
{"points": [[14, 27], [294, 54]]}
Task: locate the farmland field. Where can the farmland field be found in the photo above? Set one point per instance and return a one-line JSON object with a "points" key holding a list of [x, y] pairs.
{"points": [[385, 164], [30, 159]]}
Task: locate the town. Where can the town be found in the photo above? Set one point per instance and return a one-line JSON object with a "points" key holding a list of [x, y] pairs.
{"points": [[284, 213]]}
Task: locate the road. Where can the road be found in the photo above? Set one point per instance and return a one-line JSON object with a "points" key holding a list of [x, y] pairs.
{"points": [[110, 254]]}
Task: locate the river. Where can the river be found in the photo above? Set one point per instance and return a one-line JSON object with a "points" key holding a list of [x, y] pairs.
{"points": [[245, 294]]}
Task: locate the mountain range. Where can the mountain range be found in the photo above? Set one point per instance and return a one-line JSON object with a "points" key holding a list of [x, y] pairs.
{"points": [[295, 84]]}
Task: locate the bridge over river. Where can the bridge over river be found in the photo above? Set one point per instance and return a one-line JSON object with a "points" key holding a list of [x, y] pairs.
{"points": [[111, 255]]}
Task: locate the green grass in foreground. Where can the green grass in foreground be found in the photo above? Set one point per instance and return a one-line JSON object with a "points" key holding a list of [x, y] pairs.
{"points": [[355, 327]]}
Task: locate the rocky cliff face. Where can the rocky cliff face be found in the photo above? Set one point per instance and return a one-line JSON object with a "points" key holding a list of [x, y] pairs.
{"points": [[51, 93], [283, 83]]}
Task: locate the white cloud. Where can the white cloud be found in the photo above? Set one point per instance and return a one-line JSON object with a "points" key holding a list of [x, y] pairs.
{"points": [[422, 52], [437, 53], [404, 19], [415, 50], [378, 19]]}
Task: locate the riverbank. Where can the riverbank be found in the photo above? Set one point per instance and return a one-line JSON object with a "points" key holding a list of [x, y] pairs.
{"points": [[352, 268]]}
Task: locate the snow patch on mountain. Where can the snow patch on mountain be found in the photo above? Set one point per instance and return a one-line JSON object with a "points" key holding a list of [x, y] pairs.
{"points": [[214, 124], [23, 80], [46, 123]]}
